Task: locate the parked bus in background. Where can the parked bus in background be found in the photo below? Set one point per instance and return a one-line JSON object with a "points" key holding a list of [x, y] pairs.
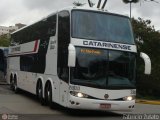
{"points": [[79, 58], [3, 62]]}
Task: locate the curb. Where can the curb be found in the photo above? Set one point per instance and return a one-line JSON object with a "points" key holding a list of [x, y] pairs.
{"points": [[153, 102], [3, 83]]}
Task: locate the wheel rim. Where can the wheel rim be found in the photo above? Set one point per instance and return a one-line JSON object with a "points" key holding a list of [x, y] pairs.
{"points": [[49, 94], [39, 91], [12, 85], [15, 85]]}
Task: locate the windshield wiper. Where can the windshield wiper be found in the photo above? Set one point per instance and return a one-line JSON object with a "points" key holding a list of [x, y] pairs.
{"points": [[121, 87], [88, 83], [116, 76]]}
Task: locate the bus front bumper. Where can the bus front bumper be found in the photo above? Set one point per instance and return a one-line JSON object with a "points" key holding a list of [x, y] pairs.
{"points": [[104, 105]]}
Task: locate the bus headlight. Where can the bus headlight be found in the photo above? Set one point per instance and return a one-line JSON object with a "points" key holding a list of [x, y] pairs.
{"points": [[129, 98], [78, 94]]}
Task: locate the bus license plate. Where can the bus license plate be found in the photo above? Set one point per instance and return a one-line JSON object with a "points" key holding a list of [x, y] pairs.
{"points": [[105, 106]]}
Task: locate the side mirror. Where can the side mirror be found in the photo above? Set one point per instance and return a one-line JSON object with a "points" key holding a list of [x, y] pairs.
{"points": [[71, 56], [147, 62]]}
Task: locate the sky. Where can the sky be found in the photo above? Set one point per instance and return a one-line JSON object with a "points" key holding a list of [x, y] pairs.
{"points": [[29, 11]]}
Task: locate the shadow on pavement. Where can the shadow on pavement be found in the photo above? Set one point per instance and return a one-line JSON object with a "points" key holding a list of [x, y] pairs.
{"points": [[90, 113], [71, 112]]}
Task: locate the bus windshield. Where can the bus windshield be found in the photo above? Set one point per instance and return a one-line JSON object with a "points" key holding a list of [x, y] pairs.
{"points": [[104, 69], [101, 26]]}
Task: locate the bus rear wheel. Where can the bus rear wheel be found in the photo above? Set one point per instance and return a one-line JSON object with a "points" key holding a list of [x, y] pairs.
{"points": [[48, 95], [11, 83], [40, 93], [15, 87]]}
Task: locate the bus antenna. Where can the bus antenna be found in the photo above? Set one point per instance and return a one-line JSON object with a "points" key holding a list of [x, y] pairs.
{"points": [[91, 4], [104, 4], [99, 3]]}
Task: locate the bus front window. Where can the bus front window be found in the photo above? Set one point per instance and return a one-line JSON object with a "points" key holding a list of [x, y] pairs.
{"points": [[104, 69], [91, 67], [121, 72]]}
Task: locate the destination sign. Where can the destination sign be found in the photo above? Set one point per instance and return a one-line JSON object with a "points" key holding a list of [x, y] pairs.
{"points": [[104, 45], [91, 51]]}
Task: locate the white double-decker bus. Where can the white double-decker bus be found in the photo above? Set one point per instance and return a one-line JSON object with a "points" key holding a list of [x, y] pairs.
{"points": [[79, 58]]}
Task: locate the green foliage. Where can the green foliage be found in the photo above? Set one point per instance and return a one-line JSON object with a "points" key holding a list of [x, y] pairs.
{"points": [[148, 84], [4, 40]]}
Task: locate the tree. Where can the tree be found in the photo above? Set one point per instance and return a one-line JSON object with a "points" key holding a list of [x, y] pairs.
{"points": [[148, 85], [4, 40]]}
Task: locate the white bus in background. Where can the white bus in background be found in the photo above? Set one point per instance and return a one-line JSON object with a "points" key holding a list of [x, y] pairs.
{"points": [[79, 58], [3, 63]]}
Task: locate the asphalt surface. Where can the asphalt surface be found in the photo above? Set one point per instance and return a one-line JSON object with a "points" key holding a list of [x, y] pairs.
{"points": [[24, 106]]}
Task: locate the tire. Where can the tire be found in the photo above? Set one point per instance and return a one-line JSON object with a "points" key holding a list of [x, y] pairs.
{"points": [[49, 95], [40, 93], [11, 83], [15, 87]]}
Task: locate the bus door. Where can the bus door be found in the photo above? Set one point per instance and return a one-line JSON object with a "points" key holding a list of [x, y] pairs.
{"points": [[62, 65]]}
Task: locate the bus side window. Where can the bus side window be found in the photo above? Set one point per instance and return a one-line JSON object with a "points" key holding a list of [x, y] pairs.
{"points": [[52, 25], [63, 42]]}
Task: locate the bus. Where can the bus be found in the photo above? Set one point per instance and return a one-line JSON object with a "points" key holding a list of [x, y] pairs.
{"points": [[3, 63], [78, 57]]}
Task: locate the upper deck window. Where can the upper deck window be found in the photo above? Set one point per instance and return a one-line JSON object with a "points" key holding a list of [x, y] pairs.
{"points": [[40, 30], [101, 26]]}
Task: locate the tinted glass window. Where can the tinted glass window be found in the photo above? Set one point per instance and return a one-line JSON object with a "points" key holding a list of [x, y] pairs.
{"points": [[101, 26], [105, 69], [91, 67], [63, 42], [44, 28], [33, 63], [42, 31]]}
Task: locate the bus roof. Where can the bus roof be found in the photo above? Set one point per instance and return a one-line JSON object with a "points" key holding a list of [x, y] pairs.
{"points": [[69, 9]]}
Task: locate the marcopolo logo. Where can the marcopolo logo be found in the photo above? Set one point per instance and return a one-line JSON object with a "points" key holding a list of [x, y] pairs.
{"points": [[4, 116], [9, 117]]}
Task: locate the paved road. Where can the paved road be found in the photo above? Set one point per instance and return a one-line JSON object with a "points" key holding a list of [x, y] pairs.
{"points": [[24, 106]]}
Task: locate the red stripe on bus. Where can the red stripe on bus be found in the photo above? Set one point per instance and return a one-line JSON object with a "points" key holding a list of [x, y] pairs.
{"points": [[34, 50], [35, 46]]}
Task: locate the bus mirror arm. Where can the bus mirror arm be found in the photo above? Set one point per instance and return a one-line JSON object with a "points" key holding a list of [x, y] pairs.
{"points": [[71, 55], [147, 62]]}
